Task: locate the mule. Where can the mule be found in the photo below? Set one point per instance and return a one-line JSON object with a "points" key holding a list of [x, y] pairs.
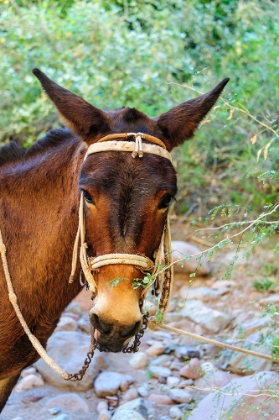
{"points": [[126, 203]]}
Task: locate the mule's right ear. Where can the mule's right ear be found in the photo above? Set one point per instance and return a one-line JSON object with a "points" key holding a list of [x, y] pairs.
{"points": [[82, 118]]}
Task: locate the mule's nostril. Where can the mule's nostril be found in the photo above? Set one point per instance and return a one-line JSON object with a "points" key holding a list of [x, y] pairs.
{"points": [[100, 325], [130, 331]]}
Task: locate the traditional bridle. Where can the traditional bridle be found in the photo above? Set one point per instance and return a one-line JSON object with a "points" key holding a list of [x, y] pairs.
{"points": [[91, 265]]}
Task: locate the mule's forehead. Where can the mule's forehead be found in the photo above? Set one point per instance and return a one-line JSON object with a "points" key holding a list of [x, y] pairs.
{"points": [[131, 119], [109, 171]]}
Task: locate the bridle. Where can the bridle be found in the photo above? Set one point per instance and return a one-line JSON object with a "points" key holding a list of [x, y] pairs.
{"points": [[91, 265]]}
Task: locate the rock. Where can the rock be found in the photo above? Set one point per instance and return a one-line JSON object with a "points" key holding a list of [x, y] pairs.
{"points": [[66, 323], [201, 293], [61, 416], [244, 364], [29, 382], [129, 395], [18, 418], [157, 371], [107, 383], [33, 396], [187, 352], [163, 360], [127, 415], [210, 319], [242, 399], [172, 381], [225, 285], [70, 401], [212, 380], [143, 390], [136, 405], [255, 324], [84, 324], [180, 396], [104, 414], [68, 349], [176, 413], [138, 360], [182, 251], [186, 383], [54, 411], [29, 371], [74, 308], [156, 349], [272, 299], [102, 405], [192, 370], [160, 399]]}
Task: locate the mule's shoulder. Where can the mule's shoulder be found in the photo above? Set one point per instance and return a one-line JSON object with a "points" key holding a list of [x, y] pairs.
{"points": [[11, 152]]}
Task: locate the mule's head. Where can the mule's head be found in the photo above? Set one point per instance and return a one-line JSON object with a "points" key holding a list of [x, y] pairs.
{"points": [[126, 200]]}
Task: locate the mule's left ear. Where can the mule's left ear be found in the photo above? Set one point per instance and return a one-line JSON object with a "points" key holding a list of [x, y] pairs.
{"points": [[82, 118], [180, 123]]}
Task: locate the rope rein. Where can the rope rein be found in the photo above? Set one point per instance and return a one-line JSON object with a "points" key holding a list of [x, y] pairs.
{"points": [[162, 285]]}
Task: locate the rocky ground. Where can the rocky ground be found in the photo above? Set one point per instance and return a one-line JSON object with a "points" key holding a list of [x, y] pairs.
{"points": [[172, 376]]}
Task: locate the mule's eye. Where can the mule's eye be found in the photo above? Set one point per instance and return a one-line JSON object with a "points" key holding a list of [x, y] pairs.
{"points": [[164, 203], [88, 197]]}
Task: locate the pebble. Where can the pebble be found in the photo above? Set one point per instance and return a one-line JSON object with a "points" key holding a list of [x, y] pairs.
{"points": [[182, 352], [143, 390], [201, 293], [172, 381], [74, 308], [129, 395], [29, 382], [208, 318], [70, 401], [102, 405], [180, 396], [136, 405], [104, 414], [66, 323], [54, 411], [107, 383], [156, 349], [127, 415], [224, 284], [139, 360], [181, 250], [160, 399], [61, 416], [157, 371], [192, 370], [28, 371], [175, 413], [163, 360], [33, 396]]}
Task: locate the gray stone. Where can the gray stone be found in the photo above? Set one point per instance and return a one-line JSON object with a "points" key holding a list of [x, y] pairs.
{"points": [[127, 415], [208, 318], [201, 293], [244, 364], [54, 411], [107, 383], [180, 396], [136, 405], [175, 413], [29, 371], [104, 414], [180, 252], [68, 349], [157, 371], [172, 381], [138, 360], [29, 382], [188, 352], [70, 401], [143, 390], [61, 416], [66, 323], [241, 398], [84, 324], [74, 308], [33, 395]]}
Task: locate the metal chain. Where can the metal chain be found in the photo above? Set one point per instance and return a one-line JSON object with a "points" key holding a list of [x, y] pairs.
{"points": [[135, 346]]}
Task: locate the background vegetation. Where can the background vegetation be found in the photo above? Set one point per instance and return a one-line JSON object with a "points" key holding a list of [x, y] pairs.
{"points": [[152, 55]]}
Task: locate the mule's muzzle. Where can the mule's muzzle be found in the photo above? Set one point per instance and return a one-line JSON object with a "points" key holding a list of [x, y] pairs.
{"points": [[113, 337]]}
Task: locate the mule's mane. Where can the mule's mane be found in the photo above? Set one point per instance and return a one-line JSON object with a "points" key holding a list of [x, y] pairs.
{"points": [[13, 152]]}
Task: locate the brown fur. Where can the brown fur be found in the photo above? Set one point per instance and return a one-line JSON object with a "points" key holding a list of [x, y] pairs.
{"points": [[38, 217]]}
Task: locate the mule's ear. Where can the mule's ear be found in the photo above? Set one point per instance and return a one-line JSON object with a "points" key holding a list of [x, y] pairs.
{"points": [[81, 117], [180, 123]]}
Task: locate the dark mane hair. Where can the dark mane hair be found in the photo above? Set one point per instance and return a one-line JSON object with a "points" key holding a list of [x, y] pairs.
{"points": [[13, 152]]}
